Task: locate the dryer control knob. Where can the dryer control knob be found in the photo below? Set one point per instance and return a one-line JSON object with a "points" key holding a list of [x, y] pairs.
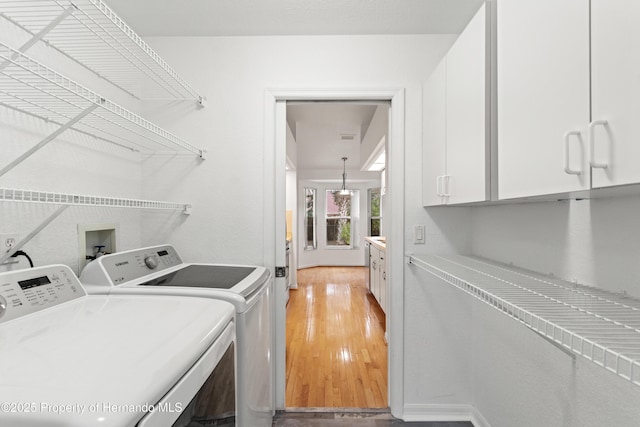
{"points": [[151, 262], [3, 306]]}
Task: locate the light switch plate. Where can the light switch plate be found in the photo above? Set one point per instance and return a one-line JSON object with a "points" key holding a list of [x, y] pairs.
{"points": [[418, 234]]}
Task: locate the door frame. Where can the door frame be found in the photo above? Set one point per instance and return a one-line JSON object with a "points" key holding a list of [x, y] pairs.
{"points": [[274, 212]]}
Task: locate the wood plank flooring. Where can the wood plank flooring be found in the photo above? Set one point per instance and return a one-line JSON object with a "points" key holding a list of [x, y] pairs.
{"points": [[336, 354]]}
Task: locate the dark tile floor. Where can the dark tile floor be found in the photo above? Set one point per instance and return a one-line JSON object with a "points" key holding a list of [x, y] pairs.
{"points": [[322, 417]]}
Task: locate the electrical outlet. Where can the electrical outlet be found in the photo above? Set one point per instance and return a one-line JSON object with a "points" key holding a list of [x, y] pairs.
{"points": [[8, 241]]}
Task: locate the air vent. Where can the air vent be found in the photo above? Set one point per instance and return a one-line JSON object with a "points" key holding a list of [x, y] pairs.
{"points": [[347, 137]]}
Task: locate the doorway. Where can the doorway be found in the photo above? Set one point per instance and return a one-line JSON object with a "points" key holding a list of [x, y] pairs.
{"points": [[336, 353], [274, 211]]}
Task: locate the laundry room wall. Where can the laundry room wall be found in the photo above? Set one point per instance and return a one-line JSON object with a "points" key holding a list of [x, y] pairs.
{"points": [[594, 242], [234, 73], [72, 163]]}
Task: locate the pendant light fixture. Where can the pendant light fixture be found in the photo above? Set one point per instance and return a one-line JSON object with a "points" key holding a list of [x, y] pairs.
{"points": [[344, 191]]}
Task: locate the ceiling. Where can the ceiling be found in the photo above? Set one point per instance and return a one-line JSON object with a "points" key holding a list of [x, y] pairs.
{"points": [[294, 17], [323, 130]]}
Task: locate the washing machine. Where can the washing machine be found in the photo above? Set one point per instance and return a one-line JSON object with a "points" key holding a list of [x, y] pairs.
{"points": [[76, 360], [160, 270]]}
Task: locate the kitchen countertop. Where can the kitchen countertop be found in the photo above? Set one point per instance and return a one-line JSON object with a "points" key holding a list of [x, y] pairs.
{"points": [[379, 242]]}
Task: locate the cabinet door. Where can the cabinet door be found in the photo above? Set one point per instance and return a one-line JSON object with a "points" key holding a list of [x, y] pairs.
{"points": [[615, 61], [374, 269], [467, 112], [543, 93], [384, 292], [434, 97], [383, 282]]}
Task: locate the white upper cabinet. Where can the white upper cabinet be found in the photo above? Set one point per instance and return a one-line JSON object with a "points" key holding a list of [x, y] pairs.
{"points": [[615, 56], [543, 96], [456, 121], [434, 122], [468, 111]]}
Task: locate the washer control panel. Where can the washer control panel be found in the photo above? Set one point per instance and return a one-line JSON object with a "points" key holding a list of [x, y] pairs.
{"points": [[122, 267], [24, 292]]}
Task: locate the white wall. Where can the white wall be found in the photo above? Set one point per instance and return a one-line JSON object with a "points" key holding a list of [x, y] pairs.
{"points": [[234, 72], [378, 129], [521, 379], [595, 242], [73, 163]]}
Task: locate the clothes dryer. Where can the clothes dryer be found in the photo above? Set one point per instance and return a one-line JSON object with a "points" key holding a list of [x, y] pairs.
{"points": [[159, 270], [77, 360]]}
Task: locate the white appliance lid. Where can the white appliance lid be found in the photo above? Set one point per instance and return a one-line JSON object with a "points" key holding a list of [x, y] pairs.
{"points": [[99, 360]]}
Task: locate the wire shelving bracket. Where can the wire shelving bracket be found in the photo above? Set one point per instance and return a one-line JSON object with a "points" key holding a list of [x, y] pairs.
{"points": [[28, 86], [599, 325], [90, 33]]}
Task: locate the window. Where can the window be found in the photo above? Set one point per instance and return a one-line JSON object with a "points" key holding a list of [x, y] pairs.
{"points": [[374, 212], [338, 219], [310, 241]]}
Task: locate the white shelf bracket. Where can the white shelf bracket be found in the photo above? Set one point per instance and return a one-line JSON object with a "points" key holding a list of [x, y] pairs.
{"points": [[31, 235], [556, 344], [48, 139], [43, 32]]}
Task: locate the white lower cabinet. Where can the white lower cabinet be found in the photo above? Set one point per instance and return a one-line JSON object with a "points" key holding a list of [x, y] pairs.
{"points": [[382, 277], [374, 277], [378, 275]]}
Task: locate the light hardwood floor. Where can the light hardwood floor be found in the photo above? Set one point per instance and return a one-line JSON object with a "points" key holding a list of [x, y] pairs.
{"points": [[336, 353]]}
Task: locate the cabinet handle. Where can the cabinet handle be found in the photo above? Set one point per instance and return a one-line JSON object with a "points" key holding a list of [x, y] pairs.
{"points": [[438, 192], [592, 138], [567, 137], [445, 180]]}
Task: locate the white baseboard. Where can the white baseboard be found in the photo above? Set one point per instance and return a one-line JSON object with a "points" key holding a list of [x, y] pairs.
{"points": [[442, 413]]}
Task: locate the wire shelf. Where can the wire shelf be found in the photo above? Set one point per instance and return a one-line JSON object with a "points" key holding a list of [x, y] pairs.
{"points": [[601, 326], [30, 87], [34, 196], [94, 36]]}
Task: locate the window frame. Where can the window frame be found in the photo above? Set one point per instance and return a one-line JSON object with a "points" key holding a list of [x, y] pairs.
{"points": [[370, 217], [314, 218], [349, 218]]}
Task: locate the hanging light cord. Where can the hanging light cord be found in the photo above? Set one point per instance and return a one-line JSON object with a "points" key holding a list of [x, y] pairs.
{"points": [[344, 174]]}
